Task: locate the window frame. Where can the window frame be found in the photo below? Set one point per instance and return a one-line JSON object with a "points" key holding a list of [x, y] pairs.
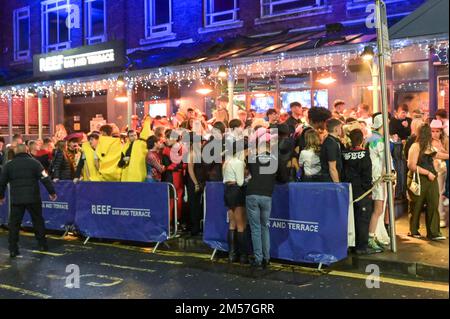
{"points": [[272, 3], [209, 16], [24, 54], [89, 38], [149, 5], [45, 10]]}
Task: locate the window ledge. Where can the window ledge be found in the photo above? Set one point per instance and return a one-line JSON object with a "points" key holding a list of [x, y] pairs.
{"points": [[21, 62], [157, 39], [223, 27], [356, 5], [295, 15]]}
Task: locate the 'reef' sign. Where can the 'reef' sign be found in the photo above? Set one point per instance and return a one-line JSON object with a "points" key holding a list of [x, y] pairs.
{"points": [[100, 56]]}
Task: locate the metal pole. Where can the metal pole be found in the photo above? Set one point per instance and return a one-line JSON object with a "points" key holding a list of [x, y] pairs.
{"points": [[27, 125], [40, 116], [375, 86], [10, 117], [385, 111], [129, 107], [231, 94], [52, 102]]}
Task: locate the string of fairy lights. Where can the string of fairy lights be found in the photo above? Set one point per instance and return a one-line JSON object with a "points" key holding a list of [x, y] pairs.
{"points": [[202, 74]]}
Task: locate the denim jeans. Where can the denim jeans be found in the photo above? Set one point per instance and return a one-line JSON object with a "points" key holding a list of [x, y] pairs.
{"points": [[258, 213]]}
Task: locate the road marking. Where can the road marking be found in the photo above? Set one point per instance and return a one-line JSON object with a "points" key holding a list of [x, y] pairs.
{"points": [[3, 267], [127, 267], [170, 262], [114, 280], [25, 291], [45, 253], [399, 282]]}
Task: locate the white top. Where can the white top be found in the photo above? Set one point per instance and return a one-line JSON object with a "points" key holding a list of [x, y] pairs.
{"points": [[234, 171], [310, 162]]}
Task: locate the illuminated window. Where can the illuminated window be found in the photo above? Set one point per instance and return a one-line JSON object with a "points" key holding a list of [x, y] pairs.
{"points": [[279, 7], [56, 24], [158, 18], [221, 12], [22, 34], [95, 21]]}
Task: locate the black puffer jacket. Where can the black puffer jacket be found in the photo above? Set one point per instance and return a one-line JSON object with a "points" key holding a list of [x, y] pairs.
{"points": [[357, 170], [23, 174], [62, 168]]}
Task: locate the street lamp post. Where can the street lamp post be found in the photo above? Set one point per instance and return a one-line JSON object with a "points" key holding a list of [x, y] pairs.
{"points": [[383, 51]]}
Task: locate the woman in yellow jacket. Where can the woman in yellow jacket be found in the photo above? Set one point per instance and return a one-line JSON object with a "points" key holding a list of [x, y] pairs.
{"points": [[88, 165], [133, 160]]}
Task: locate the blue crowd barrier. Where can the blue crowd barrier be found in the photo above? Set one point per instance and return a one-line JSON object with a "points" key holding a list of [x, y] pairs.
{"points": [[309, 222], [123, 211], [61, 213]]}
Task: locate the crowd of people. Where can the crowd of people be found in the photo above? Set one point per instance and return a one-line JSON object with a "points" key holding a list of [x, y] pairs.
{"points": [[251, 154]]}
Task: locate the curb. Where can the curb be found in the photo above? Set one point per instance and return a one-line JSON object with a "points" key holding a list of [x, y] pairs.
{"points": [[411, 270], [407, 270]]}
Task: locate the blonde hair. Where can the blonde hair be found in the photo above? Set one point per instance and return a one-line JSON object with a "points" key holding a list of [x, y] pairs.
{"points": [[415, 125], [312, 141]]}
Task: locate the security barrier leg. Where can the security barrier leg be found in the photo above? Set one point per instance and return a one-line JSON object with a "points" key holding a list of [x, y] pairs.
{"points": [[156, 247], [213, 254], [86, 241]]}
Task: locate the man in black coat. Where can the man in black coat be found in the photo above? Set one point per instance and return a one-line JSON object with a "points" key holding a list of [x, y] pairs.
{"points": [[23, 174]]}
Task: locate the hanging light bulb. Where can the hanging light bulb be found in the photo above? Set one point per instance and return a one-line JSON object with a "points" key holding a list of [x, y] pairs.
{"points": [[368, 54], [223, 72], [204, 90], [120, 81], [326, 79]]}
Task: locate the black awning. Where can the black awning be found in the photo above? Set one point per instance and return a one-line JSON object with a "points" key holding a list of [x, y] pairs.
{"points": [[429, 19]]}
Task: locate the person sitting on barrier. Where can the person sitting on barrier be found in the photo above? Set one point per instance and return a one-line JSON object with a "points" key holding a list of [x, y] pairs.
{"points": [[109, 151], [358, 172], [87, 168], [234, 197], [331, 152], [23, 175], [155, 168], [309, 160], [133, 159], [263, 165]]}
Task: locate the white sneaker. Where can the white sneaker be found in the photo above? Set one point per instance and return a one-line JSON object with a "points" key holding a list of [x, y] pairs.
{"points": [[439, 238], [442, 224], [445, 202]]}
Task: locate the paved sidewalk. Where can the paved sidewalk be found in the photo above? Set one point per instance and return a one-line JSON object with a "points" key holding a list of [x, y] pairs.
{"points": [[420, 258]]}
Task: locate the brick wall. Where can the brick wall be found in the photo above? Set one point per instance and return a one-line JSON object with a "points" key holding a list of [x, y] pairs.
{"points": [[126, 20]]}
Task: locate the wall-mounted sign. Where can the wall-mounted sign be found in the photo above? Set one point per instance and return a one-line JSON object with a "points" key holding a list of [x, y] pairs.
{"points": [[100, 56]]}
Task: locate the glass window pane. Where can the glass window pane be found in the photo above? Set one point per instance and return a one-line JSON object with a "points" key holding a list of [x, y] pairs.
{"points": [[24, 33], [97, 16], [161, 12], [223, 5], [258, 84], [295, 82], [223, 17], [411, 71], [280, 8], [63, 29], [52, 28]]}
